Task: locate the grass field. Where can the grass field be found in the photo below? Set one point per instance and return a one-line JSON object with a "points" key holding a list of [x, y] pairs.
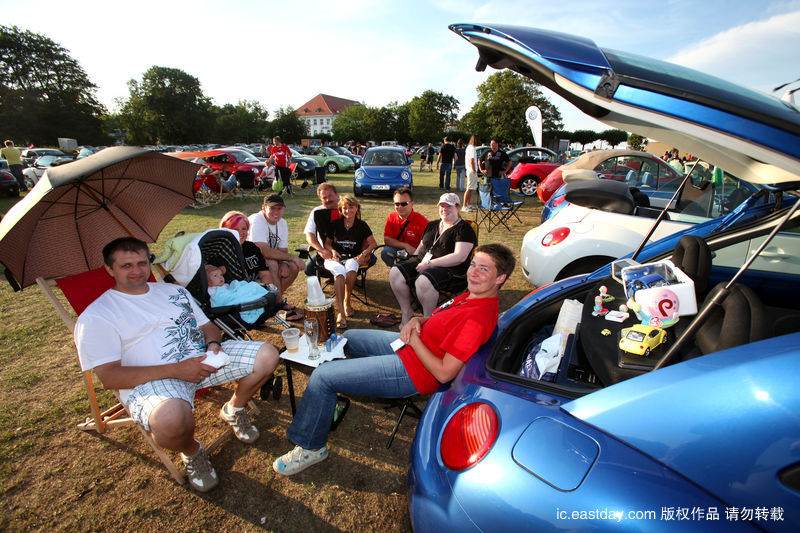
{"points": [[54, 477]]}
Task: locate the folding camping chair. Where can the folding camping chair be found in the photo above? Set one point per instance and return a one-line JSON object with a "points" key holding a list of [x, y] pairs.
{"points": [[80, 290], [247, 185], [495, 206]]}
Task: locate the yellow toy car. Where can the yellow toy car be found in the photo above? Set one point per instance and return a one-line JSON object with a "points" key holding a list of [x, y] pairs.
{"points": [[640, 339]]}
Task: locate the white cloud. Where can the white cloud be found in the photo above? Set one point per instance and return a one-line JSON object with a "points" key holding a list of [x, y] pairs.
{"points": [[761, 54]]}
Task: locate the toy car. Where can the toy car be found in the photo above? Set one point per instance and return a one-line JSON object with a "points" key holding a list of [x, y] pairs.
{"points": [[641, 340]]}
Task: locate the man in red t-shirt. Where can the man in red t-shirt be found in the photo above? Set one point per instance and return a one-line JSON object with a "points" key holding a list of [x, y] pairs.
{"points": [[432, 351], [404, 227], [281, 156]]}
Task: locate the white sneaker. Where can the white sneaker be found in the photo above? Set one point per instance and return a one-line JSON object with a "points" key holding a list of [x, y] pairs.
{"points": [[201, 475], [240, 421], [298, 460]]}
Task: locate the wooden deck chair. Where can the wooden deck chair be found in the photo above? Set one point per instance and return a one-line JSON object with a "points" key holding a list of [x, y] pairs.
{"points": [[80, 290]]}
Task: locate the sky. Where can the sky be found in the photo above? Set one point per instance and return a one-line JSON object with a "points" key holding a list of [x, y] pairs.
{"points": [[285, 53]]}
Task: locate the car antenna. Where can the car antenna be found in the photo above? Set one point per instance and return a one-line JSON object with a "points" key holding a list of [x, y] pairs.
{"points": [[664, 211], [705, 313]]}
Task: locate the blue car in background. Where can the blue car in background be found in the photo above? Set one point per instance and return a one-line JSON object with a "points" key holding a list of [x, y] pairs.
{"points": [[383, 169], [704, 433]]}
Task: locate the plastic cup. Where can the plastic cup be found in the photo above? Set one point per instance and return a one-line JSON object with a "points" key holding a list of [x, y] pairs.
{"points": [[291, 338]]}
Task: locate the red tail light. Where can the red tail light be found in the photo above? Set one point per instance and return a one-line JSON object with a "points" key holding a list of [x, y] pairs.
{"points": [[558, 201], [469, 436], [554, 237]]}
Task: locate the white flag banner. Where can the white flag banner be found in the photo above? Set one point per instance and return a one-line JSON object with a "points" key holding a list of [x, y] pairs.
{"points": [[534, 118]]}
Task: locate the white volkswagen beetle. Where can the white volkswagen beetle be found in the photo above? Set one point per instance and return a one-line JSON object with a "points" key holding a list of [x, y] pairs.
{"points": [[608, 224]]}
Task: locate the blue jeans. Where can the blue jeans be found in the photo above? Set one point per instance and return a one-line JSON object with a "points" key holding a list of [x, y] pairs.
{"points": [[389, 255], [373, 369], [461, 174], [444, 169]]}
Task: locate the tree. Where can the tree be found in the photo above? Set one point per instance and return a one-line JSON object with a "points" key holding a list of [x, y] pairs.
{"points": [[288, 126], [637, 142], [428, 114], [349, 124], [499, 112], [401, 128], [614, 137], [45, 93], [244, 122], [584, 137], [167, 107]]}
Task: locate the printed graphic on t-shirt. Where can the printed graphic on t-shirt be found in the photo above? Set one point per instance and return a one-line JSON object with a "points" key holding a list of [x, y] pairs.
{"points": [[273, 238], [183, 338]]}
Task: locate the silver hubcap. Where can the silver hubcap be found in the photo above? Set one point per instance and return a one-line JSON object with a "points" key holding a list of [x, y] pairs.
{"points": [[527, 187]]}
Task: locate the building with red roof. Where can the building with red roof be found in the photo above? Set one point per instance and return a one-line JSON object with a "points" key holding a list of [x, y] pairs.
{"points": [[320, 112]]}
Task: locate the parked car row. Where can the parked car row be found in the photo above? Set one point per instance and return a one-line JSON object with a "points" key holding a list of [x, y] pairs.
{"points": [[632, 423]]}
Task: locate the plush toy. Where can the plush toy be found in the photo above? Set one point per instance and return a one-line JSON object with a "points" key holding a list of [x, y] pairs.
{"points": [[658, 308]]}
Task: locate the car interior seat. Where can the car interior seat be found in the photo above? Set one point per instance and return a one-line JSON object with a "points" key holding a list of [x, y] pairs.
{"points": [[648, 180], [740, 319], [693, 256]]}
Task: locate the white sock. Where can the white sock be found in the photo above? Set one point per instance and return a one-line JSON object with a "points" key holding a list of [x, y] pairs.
{"points": [[231, 409]]}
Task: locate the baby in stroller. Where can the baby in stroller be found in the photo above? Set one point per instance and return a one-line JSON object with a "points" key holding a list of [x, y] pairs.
{"points": [[235, 292], [208, 252]]}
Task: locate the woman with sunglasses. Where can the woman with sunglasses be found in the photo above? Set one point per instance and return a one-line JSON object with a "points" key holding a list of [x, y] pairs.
{"points": [[404, 227]]}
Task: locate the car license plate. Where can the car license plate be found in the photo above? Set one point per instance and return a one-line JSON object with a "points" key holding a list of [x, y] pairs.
{"points": [[380, 187]]}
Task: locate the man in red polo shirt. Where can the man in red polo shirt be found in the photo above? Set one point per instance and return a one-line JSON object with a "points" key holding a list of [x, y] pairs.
{"points": [[281, 157], [404, 227]]}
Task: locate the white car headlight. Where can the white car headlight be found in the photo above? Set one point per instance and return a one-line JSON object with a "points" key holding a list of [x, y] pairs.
{"points": [[359, 174], [405, 175]]}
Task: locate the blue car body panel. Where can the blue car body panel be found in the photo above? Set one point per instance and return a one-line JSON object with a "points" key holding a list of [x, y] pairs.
{"points": [[743, 400]]}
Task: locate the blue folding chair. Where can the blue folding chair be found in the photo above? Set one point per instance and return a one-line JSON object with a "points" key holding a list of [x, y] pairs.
{"points": [[495, 206]]}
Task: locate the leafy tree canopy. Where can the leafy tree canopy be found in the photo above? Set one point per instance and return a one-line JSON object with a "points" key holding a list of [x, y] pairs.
{"points": [[167, 106], [499, 112], [288, 126], [428, 114], [44, 92], [244, 122], [637, 142], [614, 137]]}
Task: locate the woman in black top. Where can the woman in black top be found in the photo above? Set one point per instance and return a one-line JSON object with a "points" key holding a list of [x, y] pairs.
{"points": [[351, 243], [443, 257]]}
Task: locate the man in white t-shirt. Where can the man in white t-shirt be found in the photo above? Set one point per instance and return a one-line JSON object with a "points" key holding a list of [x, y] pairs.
{"points": [[329, 198], [269, 231], [150, 341]]}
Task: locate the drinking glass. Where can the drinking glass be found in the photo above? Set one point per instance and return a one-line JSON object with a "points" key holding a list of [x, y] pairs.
{"points": [[311, 329]]}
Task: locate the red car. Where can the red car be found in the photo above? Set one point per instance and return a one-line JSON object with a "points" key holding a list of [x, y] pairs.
{"points": [[532, 164], [245, 165], [610, 164]]}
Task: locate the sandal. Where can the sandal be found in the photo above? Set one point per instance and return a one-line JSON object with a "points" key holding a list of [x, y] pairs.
{"points": [[348, 311], [341, 322], [286, 306], [294, 316], [385, 321]]}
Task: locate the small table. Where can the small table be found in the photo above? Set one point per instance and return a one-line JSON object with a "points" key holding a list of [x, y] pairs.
{"points": [[300, 357]]}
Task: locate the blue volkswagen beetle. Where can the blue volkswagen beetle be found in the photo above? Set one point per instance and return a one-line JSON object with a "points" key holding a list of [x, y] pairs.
{"points": [[702, 436], [383, 169]]}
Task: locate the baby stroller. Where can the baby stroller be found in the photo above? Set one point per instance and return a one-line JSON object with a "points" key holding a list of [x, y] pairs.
{"points": [[221, 248]]}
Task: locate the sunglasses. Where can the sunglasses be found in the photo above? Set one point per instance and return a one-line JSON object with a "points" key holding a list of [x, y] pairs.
{"points": [[400, 204]]}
